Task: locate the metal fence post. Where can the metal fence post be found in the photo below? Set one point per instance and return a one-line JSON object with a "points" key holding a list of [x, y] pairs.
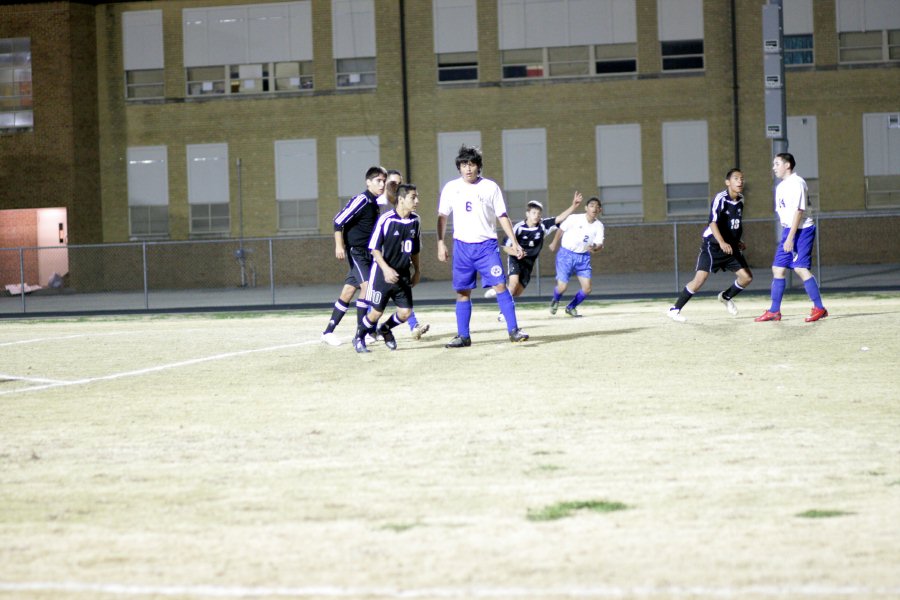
{"points": [[675, 236], [272, 270], [146, 288], [818, 254], [22, 276]]}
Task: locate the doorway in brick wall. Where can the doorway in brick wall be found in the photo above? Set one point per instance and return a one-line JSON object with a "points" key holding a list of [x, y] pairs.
{"points": [[34, 243]]}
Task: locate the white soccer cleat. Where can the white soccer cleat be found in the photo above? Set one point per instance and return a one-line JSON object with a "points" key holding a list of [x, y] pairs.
{"points": [[729, 304], [331, 339], [675, 315], [490, 293], [419, 330]]}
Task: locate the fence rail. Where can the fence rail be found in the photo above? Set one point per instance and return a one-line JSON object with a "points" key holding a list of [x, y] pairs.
{"points": [[652, 258]]}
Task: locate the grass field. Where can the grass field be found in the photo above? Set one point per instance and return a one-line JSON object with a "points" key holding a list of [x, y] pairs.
{"points": [[618, 455]]}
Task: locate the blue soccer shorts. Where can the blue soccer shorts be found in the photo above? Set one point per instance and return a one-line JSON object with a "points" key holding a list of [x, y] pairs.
{"points": [[801, 257], [482, 258], [568, 262]]}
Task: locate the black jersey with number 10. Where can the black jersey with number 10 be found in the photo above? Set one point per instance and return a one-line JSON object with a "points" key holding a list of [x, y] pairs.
{"points": [[397, 239]]}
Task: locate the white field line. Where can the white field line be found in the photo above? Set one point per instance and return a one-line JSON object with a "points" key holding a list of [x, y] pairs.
{"points": [[138, 372], [214, 591]]}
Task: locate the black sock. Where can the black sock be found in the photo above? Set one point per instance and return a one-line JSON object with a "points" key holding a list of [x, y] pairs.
{"points": [[365, 327], [391, 323], [733, 291], [683, 298], [340, 309]]}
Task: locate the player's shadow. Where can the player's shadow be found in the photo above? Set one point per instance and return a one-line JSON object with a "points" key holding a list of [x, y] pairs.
{"points": [[539, 338]]}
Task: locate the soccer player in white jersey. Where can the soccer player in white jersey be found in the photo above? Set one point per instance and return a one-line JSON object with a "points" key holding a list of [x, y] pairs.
{"points": [[578, 238], [477, 205], [797, 236]]}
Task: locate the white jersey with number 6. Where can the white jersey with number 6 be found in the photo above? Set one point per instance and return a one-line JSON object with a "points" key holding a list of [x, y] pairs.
{"points": [[475, 207]]}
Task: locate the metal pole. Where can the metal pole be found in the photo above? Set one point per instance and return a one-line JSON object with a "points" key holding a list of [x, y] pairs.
{"points": [[242, 259], [675, 230], [146, 278], [22, 276], [818, 254], [272, 270]]}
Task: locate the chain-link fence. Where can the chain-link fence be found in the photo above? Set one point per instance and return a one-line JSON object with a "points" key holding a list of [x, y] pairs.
{"points": [[643, 259]]}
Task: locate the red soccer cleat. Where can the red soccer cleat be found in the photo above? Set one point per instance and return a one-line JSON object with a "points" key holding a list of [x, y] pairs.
{"points": [[815, 314], [769, 316]]}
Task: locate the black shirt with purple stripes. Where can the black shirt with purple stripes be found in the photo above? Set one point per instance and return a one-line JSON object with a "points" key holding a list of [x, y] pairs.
{"points": [[727, 213]]}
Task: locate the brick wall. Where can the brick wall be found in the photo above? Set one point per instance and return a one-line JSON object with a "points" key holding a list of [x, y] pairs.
{"points": [[18, 228], [76, 155], [56, 163]]}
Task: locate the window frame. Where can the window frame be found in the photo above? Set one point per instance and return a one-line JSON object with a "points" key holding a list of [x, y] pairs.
{"points": [[885, 48], [540, 66], [16, 108]]}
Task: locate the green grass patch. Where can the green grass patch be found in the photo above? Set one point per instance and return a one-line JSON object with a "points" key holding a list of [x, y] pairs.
{"points": [[561, 510], [818, 513], [399, 527]]}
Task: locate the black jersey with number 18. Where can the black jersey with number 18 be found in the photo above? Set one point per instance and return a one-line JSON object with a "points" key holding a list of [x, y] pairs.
{"points": [[726, 212]]}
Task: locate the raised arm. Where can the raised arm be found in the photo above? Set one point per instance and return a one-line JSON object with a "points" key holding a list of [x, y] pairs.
{"points": [[576, 202]]}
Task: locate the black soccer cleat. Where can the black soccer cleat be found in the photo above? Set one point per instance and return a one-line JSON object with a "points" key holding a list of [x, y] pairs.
{"points": [[459, 342], [359, 344], [388, 336], [517, 335]]}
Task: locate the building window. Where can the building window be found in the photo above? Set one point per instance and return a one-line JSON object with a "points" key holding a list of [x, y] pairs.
{"points": [[680, 26], [870, 46], [517, 202], [353, 42], [686, 174], [868, 31], [682, 55], [523, 63], [457, 66], [881, 142], [570, 61], [16, 112], [148, 191], [208, 189], [296, 185], [449, 143], [250, 49], [144, 83], [456, 40], [610, 59], [567, 38], [355, 72], [261, 78], [142, 46], [524, 170], [798, 50], [354, 157], [210, 219], [619, 171]]}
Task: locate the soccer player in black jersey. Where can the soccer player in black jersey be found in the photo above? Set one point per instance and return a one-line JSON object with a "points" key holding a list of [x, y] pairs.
{"points": [[352, 230], [721, 247], [530, 233], [395, 245]]}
